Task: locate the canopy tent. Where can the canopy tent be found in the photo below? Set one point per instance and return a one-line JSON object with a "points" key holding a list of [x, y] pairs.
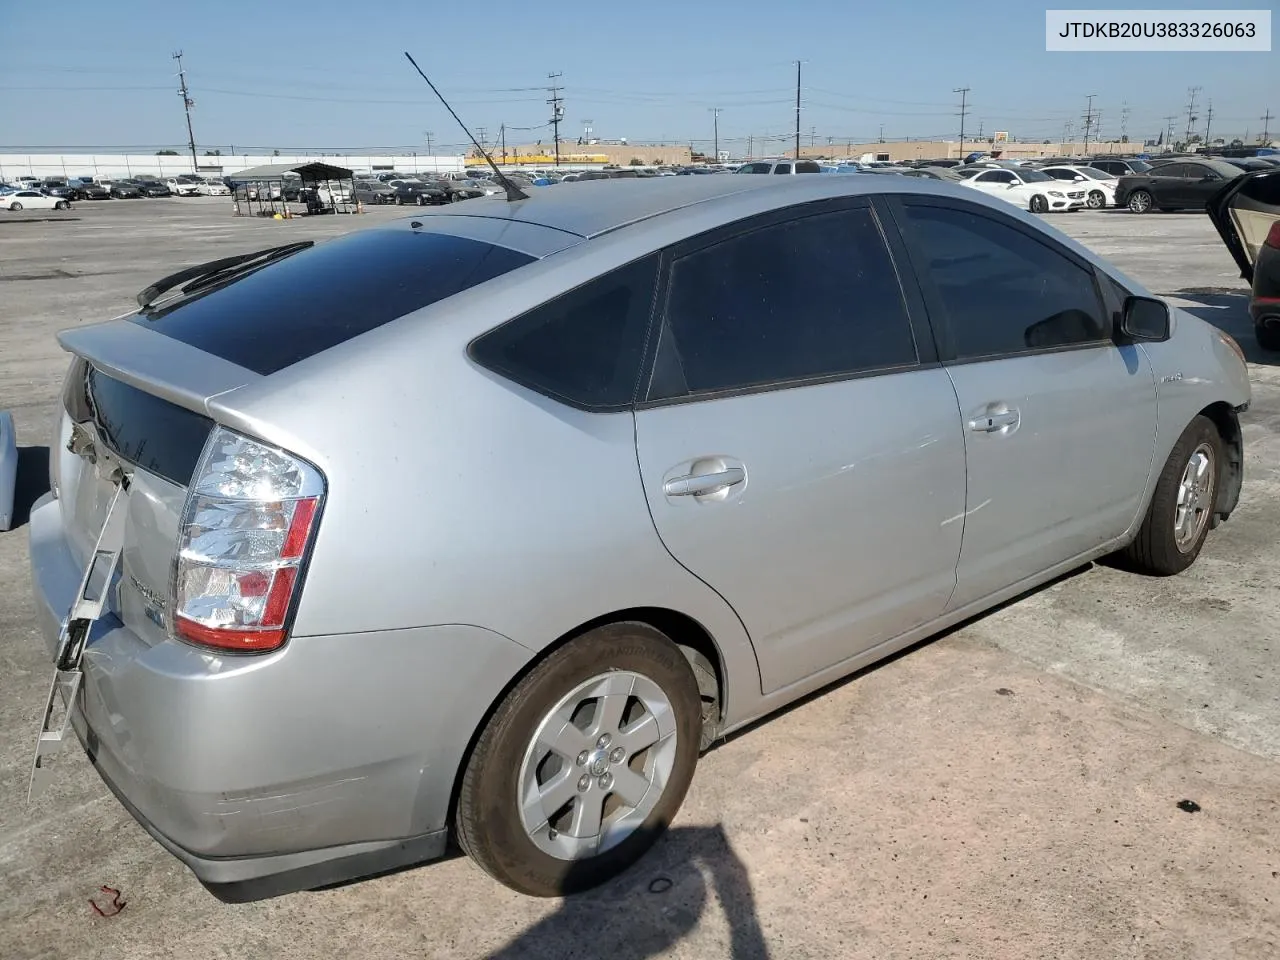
{"points": [[310, 174]]}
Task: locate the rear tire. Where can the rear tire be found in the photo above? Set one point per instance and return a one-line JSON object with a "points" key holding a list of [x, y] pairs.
{"points": [[1268, 337], [1182, 507], [539, 794], [15, 205], [63, 205], [1140, 201]]}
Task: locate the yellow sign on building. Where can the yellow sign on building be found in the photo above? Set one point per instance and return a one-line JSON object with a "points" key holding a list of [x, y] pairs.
{"points": [[1002, 136]]}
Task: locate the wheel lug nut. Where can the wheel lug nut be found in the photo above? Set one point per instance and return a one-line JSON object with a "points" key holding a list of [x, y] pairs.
{"points": [[583, 783], [617, 755], [582, 759], [603, 741], [606, 781]]}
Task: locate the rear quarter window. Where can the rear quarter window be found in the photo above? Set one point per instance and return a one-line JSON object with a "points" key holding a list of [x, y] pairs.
{"points": [[584, 348], [301, 306]]}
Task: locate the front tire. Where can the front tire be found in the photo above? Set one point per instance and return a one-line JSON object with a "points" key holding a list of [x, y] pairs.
{"points": [[1140, 201], [584, 763], [1182, 506], [62, 205], [1039, 204], [1097, 200]]}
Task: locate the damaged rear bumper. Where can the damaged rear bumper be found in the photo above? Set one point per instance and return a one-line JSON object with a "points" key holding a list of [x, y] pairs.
{"points": [[328, 759]]}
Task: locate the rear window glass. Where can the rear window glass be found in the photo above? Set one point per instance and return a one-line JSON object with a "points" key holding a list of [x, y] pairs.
{"points": [[298, 307]]}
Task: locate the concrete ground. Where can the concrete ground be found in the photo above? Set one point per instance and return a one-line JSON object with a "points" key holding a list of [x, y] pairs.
{"points": [[1008, 790]]}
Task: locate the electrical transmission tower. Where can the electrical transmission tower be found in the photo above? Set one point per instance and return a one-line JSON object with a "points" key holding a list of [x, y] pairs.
{"points": [[1124, 122], [1088, 119], [964, 98], [187, 104], [1191, 113], [557, 109]]}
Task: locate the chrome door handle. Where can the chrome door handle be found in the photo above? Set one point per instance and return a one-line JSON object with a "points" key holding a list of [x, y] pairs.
{"points": [[992, 422], [701, 484]]}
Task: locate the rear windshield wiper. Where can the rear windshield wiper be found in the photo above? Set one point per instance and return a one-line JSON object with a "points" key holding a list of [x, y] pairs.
{"points": [[205, 274]]}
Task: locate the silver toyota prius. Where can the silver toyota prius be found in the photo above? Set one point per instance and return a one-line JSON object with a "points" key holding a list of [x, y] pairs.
{"points": [[483, 524]]}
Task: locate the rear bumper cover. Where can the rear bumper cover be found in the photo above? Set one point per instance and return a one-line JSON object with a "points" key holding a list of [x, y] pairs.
{"points": [[335, 756]]}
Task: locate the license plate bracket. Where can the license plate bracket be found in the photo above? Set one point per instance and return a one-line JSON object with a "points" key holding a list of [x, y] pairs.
{"points": [[86, 608]]}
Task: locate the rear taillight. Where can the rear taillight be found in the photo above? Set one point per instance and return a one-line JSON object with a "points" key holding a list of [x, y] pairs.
{"points": [[1273, 236], [249, 520]]}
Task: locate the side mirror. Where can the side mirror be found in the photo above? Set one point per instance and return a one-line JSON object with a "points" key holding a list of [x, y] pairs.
{"points": [[1145, 319]]}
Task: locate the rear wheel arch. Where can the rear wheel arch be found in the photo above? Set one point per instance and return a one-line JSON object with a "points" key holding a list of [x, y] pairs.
{"points": [[694, 640]]}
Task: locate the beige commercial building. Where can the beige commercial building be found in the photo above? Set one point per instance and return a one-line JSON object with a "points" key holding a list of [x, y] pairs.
{"points": [[939, 149], [573, 153]]}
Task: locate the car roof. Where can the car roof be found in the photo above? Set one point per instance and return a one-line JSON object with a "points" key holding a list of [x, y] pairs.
{"points": [[592, 207]]}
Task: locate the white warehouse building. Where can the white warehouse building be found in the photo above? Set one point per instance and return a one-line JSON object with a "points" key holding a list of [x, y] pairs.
{"points": [[74, 165]]}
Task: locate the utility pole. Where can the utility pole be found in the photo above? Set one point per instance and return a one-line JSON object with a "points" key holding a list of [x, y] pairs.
{"points": [[1266, 127], [187, 104], [502, 132], [813, 136], [1191, 114], [1208, 123], [882, 133], [981, 124], [797, 109], [964, 94], [715, 126], [430, 153], [1168, 136], [1088, 120], [751, 140], [480, 135], [557, 111]]}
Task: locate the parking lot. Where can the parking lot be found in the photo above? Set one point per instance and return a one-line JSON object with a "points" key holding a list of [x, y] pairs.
{"points": [[1008, 790]]}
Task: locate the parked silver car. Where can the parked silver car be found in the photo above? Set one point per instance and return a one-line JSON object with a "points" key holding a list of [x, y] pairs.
{"points": [[484, 523]]}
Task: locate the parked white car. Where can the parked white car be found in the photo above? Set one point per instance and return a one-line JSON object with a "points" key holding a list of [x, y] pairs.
{"points": [[187, 186], [1026, 188], [1099, 186], [33, 200], [213, 188]]}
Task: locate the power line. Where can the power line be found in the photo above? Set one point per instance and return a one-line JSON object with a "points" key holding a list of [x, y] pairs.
{"points": [[964, 94], [187, 104], [797, 111], [557, 111]]}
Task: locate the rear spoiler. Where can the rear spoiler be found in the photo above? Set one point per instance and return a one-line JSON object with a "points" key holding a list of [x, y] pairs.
{"points": [[156, 364]]}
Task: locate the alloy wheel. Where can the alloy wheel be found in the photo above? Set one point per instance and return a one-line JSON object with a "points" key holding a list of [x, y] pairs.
{"points": [[597, 765], [1196, 492]]}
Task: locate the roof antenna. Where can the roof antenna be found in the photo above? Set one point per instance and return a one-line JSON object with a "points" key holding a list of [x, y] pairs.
{"points": [[513, 192]]}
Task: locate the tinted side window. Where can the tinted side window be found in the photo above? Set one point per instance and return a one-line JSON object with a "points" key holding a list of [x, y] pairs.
{"points": [[585, 347], [1003, 291], [807, 166], [782, 168], [796, 300], [1170, 170]]}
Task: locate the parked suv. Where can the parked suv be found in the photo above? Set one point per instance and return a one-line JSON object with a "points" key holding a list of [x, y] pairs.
{"points": [[455, 528], [780, 166]]}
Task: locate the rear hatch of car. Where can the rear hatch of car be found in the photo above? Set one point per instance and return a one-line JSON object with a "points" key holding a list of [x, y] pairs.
{"points": [[1244, 212], [135, 415]]}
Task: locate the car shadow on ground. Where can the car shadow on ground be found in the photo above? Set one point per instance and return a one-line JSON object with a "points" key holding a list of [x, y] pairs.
{"points": [[653, 906], [31, 482], [1229, 312]]}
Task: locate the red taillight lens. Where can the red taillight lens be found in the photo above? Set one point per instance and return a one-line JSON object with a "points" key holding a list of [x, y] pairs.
{"points": [[249, 519], [1273, 236]]}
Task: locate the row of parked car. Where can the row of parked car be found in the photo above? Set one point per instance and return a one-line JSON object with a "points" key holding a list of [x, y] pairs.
{"points": [[59, 193]]}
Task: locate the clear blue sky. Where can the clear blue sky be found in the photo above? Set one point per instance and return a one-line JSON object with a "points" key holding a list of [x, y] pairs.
{"points": [[332, 75]]}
